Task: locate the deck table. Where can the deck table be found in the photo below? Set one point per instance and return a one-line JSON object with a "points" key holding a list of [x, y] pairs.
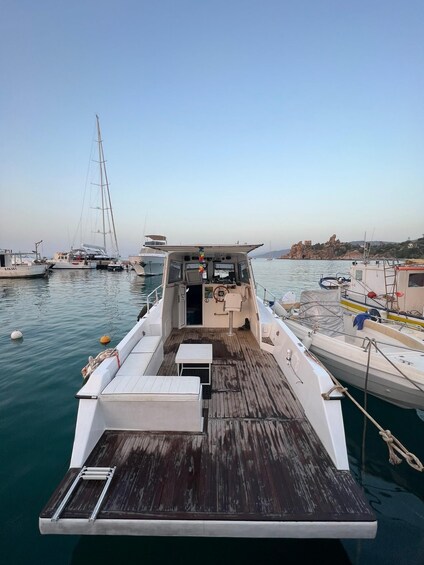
{"points": [[195, 357]]}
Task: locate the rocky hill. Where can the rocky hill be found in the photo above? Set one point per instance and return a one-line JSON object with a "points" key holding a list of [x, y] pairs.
{"points": [[335, 249]]}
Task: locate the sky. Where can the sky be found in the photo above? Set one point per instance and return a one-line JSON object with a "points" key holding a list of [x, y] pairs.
{"points": [[259, 121]]}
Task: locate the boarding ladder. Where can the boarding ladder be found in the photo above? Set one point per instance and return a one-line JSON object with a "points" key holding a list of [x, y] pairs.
{"points": [[88, 474], [390, 284]]}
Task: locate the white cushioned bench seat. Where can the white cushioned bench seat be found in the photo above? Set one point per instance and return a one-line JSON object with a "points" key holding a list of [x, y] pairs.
{"points": [[146, 387], [147, 344], [134, 365], [153, 403], [146, 357]]}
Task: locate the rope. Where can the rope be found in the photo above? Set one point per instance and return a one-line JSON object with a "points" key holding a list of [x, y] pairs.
{"points": [[94, 362], [393, 444], [374, 343]]}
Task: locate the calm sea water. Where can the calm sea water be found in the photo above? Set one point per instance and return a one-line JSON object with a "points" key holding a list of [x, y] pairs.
{"points": [[62, 319]]}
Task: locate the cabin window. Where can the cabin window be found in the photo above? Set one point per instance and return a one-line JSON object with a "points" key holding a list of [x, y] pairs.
{"points": [[243, 272], [193, 275], [416, 279], [358, 275], [224, 272], [175, 272]]}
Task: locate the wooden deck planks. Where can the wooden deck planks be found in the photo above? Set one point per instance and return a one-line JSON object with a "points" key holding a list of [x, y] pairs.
{"points": [[259, 460]]}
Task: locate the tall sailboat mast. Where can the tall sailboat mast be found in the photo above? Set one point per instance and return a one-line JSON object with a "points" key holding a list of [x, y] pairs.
{"points": [[106, 203]]}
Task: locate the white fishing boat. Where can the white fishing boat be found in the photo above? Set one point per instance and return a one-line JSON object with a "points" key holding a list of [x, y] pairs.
{"points": [[76, 259], [372, 356], [150, 260], [394, 288], [209, 419], [21, 265]]}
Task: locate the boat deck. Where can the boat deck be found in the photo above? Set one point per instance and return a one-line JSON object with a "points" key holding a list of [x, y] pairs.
{"points": [[258, 463]]}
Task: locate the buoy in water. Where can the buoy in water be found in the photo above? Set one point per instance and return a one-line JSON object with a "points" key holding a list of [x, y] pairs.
{"points": [[105, 339], [16, 334]]}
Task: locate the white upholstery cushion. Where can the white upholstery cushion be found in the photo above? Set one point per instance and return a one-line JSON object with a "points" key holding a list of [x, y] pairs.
{"points": [[232, 302], [147, 344], [153, 387], [134, 365]]}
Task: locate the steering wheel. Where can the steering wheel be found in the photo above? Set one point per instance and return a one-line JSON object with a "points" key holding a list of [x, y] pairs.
{"points": [[219, 293]]}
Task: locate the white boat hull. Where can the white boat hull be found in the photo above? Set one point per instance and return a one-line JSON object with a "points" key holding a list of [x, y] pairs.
{"points": [[74, 265], [148, 265], [23, 271], [266, 423], [349, 363]]}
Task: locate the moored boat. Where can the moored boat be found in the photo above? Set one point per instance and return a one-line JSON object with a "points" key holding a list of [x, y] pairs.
{"points": [[87, 255], [370, 355], [76, 259], [115, 266], [331, 282], [209, 418], [20, 265], [395, 288], [150, 260]]}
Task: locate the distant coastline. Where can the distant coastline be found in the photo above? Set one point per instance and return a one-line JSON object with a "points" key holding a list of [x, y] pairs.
{"points": [[334, 249]]}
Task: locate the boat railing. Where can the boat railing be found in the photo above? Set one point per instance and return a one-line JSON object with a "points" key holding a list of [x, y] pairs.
{"points": [[370, 343], [268, 297], [154, 297]]}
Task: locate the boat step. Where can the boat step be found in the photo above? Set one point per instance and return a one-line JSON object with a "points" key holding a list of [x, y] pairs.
{"points": [[88, 474]]}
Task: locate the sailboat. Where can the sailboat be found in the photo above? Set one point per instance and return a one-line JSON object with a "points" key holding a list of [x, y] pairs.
{"points": [[270, 257], [107, 220], [89, 255]]}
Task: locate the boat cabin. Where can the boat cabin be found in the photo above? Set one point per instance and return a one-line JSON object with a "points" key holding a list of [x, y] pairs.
{"points": [[6, 258], [205, 285], [154, 240], [398, 286]]}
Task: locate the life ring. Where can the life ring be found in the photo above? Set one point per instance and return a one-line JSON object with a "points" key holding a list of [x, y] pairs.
{"points": [[219, 293]]}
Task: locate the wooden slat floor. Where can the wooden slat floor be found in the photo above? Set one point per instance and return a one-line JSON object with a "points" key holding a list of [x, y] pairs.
{"points": [[257, 459]]}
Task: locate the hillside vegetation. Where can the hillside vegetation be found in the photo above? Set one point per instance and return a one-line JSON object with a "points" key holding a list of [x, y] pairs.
{"points": [[335, 249]]}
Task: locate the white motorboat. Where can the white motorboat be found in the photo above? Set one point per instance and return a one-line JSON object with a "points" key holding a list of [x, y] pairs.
{"points": [[21, 265], [208, 419], [394, 288], [115, 266], [332, 282], [372, 356], [75, 259], [150, 260]]}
